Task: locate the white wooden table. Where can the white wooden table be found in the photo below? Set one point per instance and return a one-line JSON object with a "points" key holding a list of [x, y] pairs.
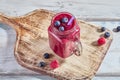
{"points": [[101, 12]]}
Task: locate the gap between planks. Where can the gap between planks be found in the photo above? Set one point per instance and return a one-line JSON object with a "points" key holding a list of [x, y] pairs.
{"points": [[98, 19], [37, 74]]}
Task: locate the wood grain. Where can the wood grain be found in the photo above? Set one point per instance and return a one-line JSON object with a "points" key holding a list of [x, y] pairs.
{"points": [[82, 9], [32, 43]]}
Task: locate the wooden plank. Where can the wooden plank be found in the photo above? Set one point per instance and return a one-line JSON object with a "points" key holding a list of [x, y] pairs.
{"points": [[80, 8], [106, 78], [26, 77], [48, 78]]}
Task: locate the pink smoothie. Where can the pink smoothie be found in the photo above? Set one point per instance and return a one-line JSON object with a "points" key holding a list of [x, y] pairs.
{"points": [[62, 42]]}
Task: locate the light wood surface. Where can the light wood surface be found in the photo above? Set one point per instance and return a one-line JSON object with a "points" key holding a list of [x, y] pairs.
{"points": [[102, 10]]}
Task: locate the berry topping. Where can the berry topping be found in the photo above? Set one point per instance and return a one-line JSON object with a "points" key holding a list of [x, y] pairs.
{"points": [[42, 64], [65, 20], [107, 34], [101, 41], [61, 28], [118, 28], [54, 64], [46, 55], [57, 23], [103, 29]]}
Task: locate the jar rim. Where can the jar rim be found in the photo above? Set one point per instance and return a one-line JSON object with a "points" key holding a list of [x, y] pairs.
{"points": [[63, 32]]}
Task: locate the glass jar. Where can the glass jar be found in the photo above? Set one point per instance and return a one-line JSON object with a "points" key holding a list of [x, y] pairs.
{"points": [[66, 41]]}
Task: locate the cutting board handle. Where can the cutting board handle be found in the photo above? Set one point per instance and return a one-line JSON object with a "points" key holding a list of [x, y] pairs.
{"points": [[9, 21]]}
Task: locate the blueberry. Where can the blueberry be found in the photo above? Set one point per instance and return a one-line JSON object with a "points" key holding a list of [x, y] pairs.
{"points": [[65, 20], [103, 29], [57, 23], [61, 28], [42, 64], [118, 28], [46, 55], [107, 34]]}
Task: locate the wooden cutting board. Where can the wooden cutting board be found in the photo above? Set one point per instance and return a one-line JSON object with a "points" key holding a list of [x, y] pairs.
{"points": [[32, 43]]}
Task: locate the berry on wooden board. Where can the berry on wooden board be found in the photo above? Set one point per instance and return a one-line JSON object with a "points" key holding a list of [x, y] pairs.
{"points": [[54, 64], [42, 64], [101, 41], [107, 34], [46, 55]]}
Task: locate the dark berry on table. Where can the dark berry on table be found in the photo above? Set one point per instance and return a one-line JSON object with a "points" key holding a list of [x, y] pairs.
{"points": [[65, 20], [42, 64], [57, 23], [46, 55], [61, 28], [107, 34], [118, 28], [103, 29]]}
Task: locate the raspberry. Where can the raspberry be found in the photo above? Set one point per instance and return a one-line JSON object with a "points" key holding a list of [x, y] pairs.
{"points": [[54, 64], [101, 41]]}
